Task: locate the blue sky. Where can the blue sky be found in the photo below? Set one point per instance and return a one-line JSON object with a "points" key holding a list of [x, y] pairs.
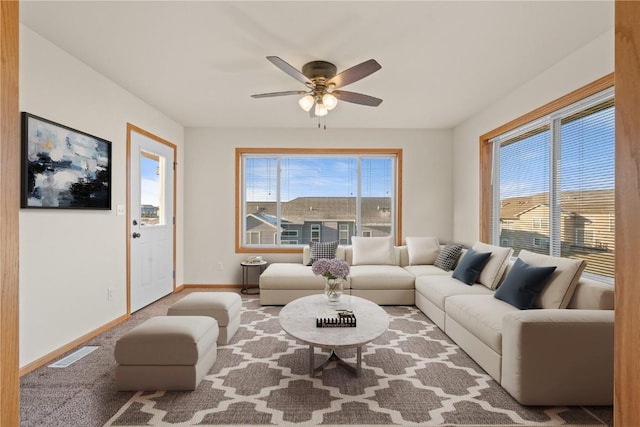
{"points": [[317, 177], [587, 158]]}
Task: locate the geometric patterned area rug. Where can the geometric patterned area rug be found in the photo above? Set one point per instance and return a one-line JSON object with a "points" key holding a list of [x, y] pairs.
{"points": [[412, 375]]}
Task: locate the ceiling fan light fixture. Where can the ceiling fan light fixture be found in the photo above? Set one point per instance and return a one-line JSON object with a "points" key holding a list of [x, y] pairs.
{"points": [[306, 102], [329, 101], [321, 110]]}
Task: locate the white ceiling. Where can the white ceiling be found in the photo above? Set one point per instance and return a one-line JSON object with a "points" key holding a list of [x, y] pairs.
{"points": [[199, 62]]}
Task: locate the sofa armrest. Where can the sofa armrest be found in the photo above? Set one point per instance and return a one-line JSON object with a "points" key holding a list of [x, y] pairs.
{"points": [[558, 357]]}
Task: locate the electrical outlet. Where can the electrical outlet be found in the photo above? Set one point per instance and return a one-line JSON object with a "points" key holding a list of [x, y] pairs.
{"points": [[109, 294], [220, 266]]}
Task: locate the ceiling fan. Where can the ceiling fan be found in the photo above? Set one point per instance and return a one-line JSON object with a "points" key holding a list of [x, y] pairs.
{"points": [[323, 83]]}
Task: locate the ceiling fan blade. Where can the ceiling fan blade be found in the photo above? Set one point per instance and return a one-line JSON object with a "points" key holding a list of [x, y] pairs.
{"points": [[269, 95], [357, 98], [284, 66], [355, 73]]}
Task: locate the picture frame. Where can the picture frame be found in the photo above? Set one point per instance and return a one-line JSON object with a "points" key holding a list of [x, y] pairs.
{"points": [[63, 168]]}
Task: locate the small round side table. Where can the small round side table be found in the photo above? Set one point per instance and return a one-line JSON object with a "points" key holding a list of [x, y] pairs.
{"points": [[246, 266]]}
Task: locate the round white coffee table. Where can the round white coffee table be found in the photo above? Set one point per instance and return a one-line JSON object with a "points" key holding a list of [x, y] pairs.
{"points": [[298, 319]]}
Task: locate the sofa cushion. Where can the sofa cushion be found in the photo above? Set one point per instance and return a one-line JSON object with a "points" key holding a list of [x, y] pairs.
{"points": [[448, 256], [470, 266], [559, 289], [284, 275], [523, 284], [438, 288], [422, 250], [426, 270], [167, 340], [373, 250], [592, 295], [481, 315], [380, 277], [493, 271], [341, 253], [322, 250]]}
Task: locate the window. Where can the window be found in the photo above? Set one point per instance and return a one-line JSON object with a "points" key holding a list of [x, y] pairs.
{"points": [[152, 172], [343, 234], [287, 237], [540, 242], [315, 232], [303, 195], [253, 237], [552, 181], [540, 224]]}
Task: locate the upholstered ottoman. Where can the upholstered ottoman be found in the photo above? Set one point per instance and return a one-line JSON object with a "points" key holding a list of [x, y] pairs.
{"points": [[166, 353], [222, 306]]}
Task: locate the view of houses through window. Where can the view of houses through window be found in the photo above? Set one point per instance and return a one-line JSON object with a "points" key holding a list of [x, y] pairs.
{"points": [[295, 198], [150, 188], [555, 185]]}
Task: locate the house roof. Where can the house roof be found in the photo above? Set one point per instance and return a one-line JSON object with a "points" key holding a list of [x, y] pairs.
{"points": [[576, 203], [375, 210]]}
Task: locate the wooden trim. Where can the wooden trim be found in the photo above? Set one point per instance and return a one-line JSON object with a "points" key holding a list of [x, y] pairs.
{"points": [[399, 198], [70, 346], [564, 101], [133, 128], [627, 268], [238, 202], [9, 212], [486, 152], [128, 221]]}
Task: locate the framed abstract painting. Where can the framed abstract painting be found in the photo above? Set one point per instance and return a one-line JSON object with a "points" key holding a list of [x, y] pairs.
{"points": [[63, 168]]}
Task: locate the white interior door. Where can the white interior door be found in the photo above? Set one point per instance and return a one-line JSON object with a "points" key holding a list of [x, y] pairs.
{"points": [[151, 220]]}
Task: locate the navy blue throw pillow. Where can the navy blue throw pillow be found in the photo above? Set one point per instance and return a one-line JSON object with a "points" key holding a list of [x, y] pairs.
{"points": [[523, 284], [470, 266]]}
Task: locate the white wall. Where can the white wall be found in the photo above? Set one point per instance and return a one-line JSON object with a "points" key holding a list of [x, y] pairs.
{"points": [[584, 66], [210, 187], [68, 259]]}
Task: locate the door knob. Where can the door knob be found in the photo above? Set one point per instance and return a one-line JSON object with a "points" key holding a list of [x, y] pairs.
{"points": [[136, 235]]}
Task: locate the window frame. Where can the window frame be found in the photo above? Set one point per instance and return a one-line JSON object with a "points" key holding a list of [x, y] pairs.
{"points": [[240, 151], [487, 189]]}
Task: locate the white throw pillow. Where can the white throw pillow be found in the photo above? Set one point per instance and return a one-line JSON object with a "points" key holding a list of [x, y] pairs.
{"points": [[372, 250], [494, 268], [422, 250], [560, 287]]}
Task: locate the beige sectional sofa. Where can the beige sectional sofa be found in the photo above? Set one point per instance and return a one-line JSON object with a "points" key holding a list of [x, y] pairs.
{"points": [[548, 356], [281, 283]]}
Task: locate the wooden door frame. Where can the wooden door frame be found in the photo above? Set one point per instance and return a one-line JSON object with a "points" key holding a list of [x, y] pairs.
{"points": [[627, 292], [9, 201], [9, 214], [133, 128]]}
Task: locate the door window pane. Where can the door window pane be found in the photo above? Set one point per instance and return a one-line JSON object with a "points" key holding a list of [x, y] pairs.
{"points": [[151, 189]]}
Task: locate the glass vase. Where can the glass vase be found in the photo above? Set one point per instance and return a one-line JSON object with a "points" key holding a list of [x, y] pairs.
{"points": [[333, 288]]}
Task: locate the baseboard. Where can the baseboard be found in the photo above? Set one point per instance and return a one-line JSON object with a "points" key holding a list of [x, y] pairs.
{"points": [[57, 353]]}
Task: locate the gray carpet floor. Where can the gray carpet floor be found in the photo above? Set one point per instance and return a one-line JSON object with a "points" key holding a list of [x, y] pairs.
{"points": [[412, 375]]}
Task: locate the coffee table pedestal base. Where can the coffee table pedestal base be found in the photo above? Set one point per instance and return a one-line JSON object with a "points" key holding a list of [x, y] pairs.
{"points": [[333, 356]]}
